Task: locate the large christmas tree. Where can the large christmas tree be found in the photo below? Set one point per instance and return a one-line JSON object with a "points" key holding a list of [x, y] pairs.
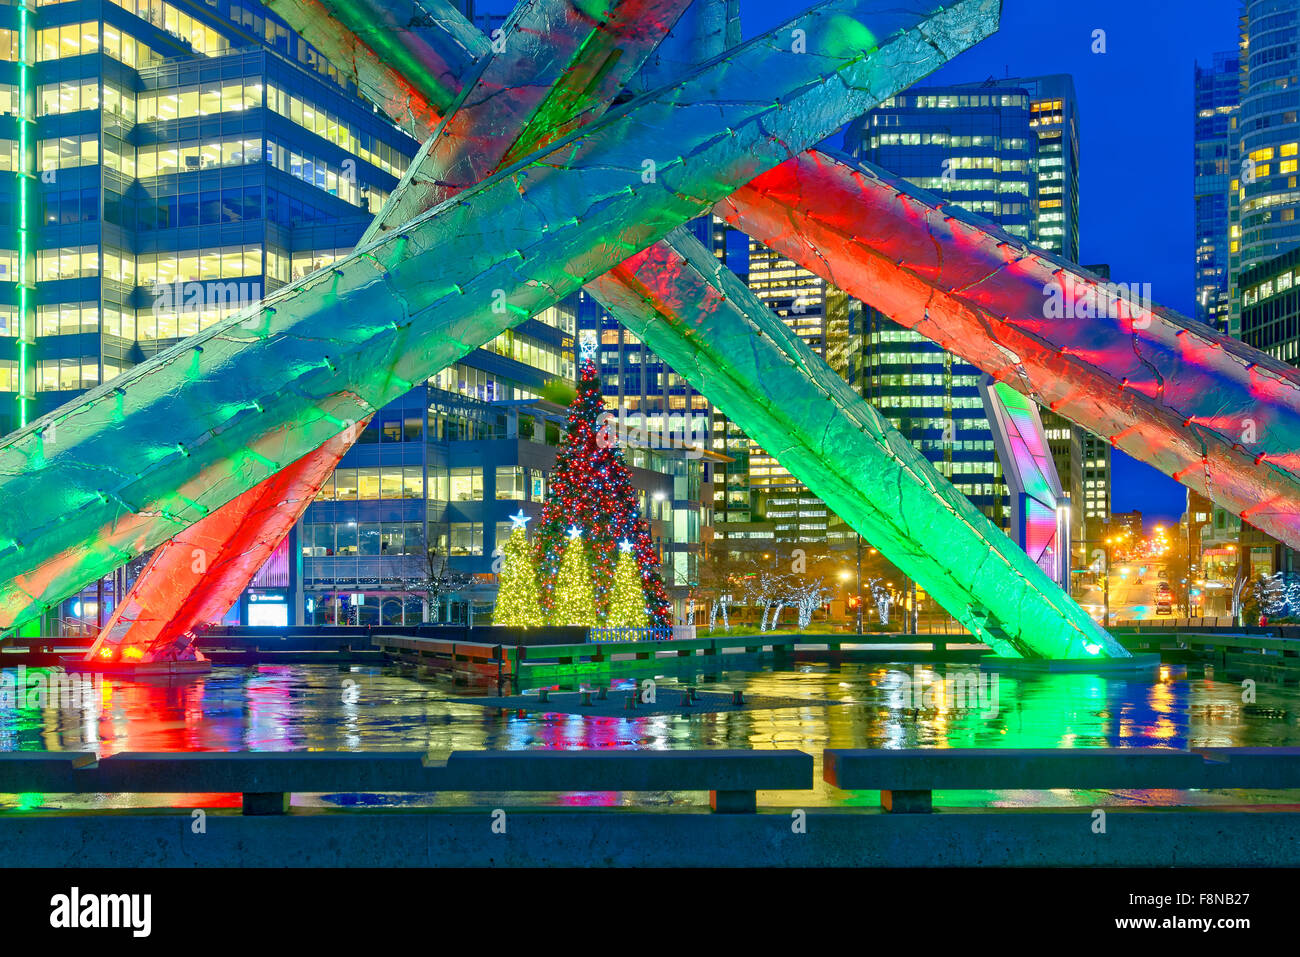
{"points": [[591, 490]]}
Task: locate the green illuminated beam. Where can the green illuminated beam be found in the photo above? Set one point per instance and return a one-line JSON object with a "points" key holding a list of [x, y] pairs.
{"points": [[429, 43], [721, 338], [556, 66]]}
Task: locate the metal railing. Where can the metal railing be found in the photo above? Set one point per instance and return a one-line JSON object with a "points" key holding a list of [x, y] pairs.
{"points": [[905, 778], [76, 628], [266, 779], [604, 635]]}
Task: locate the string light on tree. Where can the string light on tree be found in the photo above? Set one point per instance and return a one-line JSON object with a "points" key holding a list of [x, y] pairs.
{"points": [[518, 597], [575, 601], [591, 489], [627, 605]]}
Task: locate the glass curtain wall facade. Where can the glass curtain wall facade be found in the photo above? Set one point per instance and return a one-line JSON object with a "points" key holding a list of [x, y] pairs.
{"points": [[976, 148], [1215, 100], [1270, 321], [1265, 144], [1009, 151], [166, 163]]}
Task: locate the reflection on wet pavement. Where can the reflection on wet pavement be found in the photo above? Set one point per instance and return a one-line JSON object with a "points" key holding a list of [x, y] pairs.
{"points": [[300, 707]]}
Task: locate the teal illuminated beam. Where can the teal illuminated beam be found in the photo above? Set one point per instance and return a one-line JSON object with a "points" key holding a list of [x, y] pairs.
{"points": [[715, 333]]}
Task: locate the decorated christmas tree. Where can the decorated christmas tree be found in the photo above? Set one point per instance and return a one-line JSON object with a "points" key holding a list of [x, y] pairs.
{"points": [[574, 600], [591, 489], [518, 597], [627, 604]]}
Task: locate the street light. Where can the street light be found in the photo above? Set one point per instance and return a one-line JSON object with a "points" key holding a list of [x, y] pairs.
{"points": [[858, 584]]}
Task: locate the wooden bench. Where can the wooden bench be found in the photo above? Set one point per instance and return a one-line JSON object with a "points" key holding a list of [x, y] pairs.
{"points": [[266, 779], [907, 779]]}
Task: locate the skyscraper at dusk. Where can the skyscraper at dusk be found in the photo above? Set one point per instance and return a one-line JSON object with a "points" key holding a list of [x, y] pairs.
{"points": [[1261, 110], [1215, 100], [1264, 150], [1007, 150]]}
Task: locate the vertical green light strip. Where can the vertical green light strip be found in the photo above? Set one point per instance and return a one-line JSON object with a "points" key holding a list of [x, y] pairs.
{"points": [[26, 182]]}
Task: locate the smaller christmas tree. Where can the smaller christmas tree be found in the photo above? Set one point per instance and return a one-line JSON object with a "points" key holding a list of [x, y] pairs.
{"points": [[518, 597], [627, 603], [575, 598]]}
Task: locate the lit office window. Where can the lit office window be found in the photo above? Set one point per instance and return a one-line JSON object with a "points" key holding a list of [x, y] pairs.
{"points": [[510, 483], [467, 486], [466, 538]]}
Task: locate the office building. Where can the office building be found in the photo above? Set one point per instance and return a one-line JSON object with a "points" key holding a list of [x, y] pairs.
{"points": [[1009, 151], [1215, 99], [167, 164], [1264, 149]]}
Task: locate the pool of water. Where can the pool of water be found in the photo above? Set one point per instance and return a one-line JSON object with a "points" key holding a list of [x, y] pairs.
{"points": [[298, 707]]}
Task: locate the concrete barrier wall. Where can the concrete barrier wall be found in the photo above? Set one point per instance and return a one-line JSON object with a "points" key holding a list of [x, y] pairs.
{"points": [[624, 838]]}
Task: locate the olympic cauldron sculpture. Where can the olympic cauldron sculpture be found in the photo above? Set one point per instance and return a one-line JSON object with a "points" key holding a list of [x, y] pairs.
{"points": [[567, 151]]}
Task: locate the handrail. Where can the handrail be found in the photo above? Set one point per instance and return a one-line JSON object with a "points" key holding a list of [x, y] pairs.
{"points": [[267, 778], [907, 778], [76, 628]]}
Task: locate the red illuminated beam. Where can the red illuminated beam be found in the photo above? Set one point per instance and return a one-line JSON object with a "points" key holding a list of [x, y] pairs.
{"points": [[1217, 415], [413, 105], [575, 64], [427, 46], [195, 577]]}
